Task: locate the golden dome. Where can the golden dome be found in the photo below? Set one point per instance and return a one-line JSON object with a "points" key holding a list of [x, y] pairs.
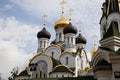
{"points": [[94, 50], [61, 23]]}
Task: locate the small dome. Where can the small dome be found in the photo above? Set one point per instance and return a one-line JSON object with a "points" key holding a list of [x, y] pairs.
{"points": [[81, 39], [43, 34], [61, 23], [70, 29]]}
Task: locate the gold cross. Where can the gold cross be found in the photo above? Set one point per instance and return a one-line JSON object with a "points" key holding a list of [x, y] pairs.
{"points": [[44, 19], [62, 3], [80, 26], [70, 10]]}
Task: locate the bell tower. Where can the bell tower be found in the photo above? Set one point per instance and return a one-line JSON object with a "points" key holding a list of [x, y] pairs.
{"points": [[110, 25]]}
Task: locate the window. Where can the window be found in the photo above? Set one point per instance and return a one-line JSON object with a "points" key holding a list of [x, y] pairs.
{"points": [[71, 40], [40, 43], [40, 74], [62, 75], [68, 75], [44, 75], [36, 75], [116, 24], [60, 36], [56, 75], [66, 60], [68, 40], [117, 74], [53, 54], [44, 43]]}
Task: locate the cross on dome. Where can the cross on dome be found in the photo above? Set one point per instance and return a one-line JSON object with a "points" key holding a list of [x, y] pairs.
{"points": [[70, 10], [62, 3], [80, 26], [44, 19]]}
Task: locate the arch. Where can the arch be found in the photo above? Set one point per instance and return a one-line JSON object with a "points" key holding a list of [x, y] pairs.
{"points": [[42, 68], [53, 49], [43, 58], [100, 54], [71, 58], [113, 17]]}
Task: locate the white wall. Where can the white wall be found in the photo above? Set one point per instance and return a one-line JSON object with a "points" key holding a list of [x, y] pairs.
{"points": [[55, 49], [71, 60], [60, 74], [45, 58], [22, 78]]}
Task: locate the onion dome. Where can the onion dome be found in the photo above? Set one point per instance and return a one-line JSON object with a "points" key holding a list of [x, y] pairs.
{"points": [[70, 29], [43, 34], [61, 23], [81, 39]]}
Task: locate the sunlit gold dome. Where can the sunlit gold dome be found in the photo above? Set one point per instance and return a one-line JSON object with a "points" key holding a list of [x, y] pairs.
{"points": [[94, 50], [61, 23]]}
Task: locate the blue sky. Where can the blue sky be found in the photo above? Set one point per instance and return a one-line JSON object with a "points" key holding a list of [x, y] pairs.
{"points": [[20, 20]]}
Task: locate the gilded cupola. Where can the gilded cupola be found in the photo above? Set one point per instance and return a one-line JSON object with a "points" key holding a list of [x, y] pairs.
{"points": [[62, 22]]}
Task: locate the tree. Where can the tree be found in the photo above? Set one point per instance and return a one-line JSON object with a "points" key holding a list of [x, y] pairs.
{"points": [[14, 73]]}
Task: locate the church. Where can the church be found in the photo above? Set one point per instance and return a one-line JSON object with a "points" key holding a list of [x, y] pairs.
{"points": [[66, 57]]}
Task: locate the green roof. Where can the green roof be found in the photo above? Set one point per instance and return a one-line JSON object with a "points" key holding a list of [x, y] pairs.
{"points": [[112, 31], [55, 62], [104, 48], [62, 68], [24, 73], [111, 52], [103, 63], [72, 68]]}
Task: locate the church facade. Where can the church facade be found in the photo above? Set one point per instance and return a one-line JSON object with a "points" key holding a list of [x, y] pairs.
{"points": [[106, 60], [66, 55]]}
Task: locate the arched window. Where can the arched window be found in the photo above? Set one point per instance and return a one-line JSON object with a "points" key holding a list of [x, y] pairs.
{"points": [[42, 68], [68, 40], [44, 75], [71, 40], [67, 60], [44, 43], [60, 36], [36, 75], [52, 54], [116, 25], [40, 74], [40, 43]]}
